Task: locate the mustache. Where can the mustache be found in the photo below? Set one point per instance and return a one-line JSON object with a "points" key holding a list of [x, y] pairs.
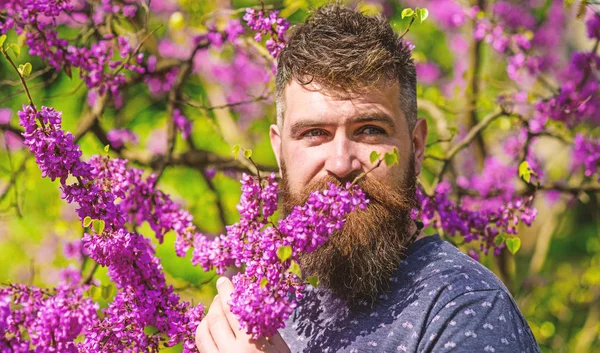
{"points": [[400, 197]]}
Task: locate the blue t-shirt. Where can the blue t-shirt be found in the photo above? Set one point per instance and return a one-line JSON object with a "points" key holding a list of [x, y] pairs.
{"points": [[440, 300]]}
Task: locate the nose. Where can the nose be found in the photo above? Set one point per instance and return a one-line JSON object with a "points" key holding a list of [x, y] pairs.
{"points": [[342, 161]]}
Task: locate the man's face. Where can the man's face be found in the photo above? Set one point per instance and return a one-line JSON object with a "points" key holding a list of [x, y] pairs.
{"points": [[330, 135], [330, 138]]}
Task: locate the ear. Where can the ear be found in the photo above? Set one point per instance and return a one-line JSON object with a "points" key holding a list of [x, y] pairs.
{"points": [[275, 136], [419, 139]]}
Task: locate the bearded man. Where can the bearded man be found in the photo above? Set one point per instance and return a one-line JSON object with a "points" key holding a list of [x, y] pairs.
{"points": [[346, 86]]}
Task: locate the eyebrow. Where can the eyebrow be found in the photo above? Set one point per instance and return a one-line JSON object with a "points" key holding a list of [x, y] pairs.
{"points": [[378, 117], [369, 118]]}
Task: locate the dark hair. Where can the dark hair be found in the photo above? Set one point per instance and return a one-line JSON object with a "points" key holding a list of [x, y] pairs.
{"points": [[345, 51]]}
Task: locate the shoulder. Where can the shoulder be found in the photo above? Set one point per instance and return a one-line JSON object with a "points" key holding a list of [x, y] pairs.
{"points": [[442, 266], [439, 274], [483, 321], [465, 301]]}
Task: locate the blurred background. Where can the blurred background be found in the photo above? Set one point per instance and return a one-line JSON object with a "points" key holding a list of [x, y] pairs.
{"points": [[228, 99]]}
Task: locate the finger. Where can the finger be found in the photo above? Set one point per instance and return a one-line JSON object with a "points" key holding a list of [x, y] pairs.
{"points": [[204, 341], [225, 288], [219, 327], [279, 343]]}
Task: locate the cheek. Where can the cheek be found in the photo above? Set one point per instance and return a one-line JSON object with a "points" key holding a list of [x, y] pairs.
{"points": [[302, 165], [391, 175]]}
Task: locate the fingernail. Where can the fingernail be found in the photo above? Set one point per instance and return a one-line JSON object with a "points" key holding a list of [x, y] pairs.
{"points": [[220, 280]]}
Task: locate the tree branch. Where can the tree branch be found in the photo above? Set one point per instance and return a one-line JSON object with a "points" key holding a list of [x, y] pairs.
{"points": [[174, 93], [473, 133]]}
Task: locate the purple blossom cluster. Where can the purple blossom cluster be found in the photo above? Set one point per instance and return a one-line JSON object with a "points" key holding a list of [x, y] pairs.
{"points": [[586, 154], [577, 100], [479, 222], [230, 34], [268, 24], [522, 64], [49, 320], [109, 7], [40, 17], [118, 138], [593, 26], [183, 124], [143, 298], [266, 292], [38, 21], [530, 45], [45, 140], [514, 15], [161, 83]]}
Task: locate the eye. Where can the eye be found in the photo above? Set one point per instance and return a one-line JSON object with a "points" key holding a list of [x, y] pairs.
{"points": [[371, 130], [313, 133]]}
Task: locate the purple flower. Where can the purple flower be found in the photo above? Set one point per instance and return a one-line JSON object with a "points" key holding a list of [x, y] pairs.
{"points": [[182, 124], [266, 293], [448, 13], [427, 73], [586, 154], [233, 30], [473, 254], [270, 25], [129, 10], [513, 15], [593, 26], [497, 210], [44, 142], [50, 319], [5, 115], [119, 137]]}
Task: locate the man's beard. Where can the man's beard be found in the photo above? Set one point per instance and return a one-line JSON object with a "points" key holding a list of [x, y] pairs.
{"points": [[358, 260]]}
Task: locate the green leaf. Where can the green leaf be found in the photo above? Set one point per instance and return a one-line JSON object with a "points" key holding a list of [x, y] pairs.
{"points": [[513, 245], [263, 282], [525, 171], [423, 14], [94, 292], [374, 157], [235, 150], [15, 49], [98, 225], [25, 69], [247, 154], [150, 330], [295, 269], [313, 281], [86, 221], [499, 240], [284, 253], [453, 130], [107, 291], [407, 13], [106, 148], [391, 158], [2, 39]]}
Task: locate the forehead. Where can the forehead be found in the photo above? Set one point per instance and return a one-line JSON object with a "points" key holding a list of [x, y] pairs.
{"points": [[312, 102]]}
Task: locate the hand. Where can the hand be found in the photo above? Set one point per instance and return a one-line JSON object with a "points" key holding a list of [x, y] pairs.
{"points": [[220, 330]]}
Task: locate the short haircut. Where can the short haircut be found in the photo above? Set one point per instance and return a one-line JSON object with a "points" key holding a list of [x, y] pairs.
{"points": [[344, 51]]}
